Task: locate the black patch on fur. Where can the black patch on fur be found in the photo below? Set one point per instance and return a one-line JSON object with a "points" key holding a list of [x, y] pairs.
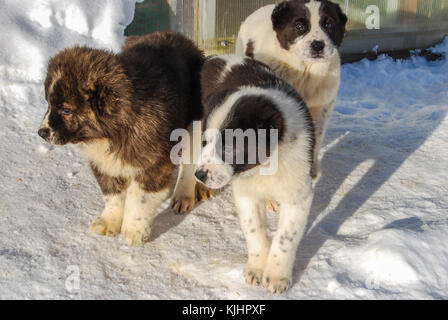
{"points": [[250, 49], [250, 73], [286, 18], [212, 101], [291, 19], [250, 111], [331, 12]]}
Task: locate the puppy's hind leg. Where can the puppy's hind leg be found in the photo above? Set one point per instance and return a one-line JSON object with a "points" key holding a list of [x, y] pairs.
{"points": [[114, 195], [293, 217], [252, 217], [321, 117]]}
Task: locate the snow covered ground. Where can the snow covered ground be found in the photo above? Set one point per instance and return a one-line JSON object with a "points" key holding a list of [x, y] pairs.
{"points": [[378, 226]]}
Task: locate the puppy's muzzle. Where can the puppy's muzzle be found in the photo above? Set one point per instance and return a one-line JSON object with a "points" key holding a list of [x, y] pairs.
{"points": [[44, 133], [317, 48], [51, 137]]}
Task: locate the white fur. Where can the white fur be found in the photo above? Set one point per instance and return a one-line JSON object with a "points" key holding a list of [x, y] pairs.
{"points": [[317, 81], [231, 61], [45, 124], [184, 194], [98, 151], [290, 186], [139, 213], [302, 46], [56, 78], [219, 173], [131, 212], [109, 223]]}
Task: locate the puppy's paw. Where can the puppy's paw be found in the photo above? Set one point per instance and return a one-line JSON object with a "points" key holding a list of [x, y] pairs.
{"points": [[202, 192], [182, 205], [276, 285], [105, 227], [183, 202], [272, 205], [253, 276], [135, 235]]}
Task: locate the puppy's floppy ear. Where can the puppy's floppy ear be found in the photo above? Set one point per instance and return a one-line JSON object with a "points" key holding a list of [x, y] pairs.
{"points": [[100, 96], [342, 17], [95, 99], [279, 13]]}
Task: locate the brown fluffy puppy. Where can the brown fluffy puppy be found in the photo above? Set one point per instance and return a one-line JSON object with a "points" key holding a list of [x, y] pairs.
{"points": [[121, 109]]}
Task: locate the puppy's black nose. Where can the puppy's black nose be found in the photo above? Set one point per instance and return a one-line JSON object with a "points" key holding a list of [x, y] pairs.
{"points": [[44, 133], [201, 175], [318, 46]]}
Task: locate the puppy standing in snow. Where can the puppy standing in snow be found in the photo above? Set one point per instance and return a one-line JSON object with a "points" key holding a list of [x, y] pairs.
{"points": [[299, 40], [241, 94], [121, 109]]}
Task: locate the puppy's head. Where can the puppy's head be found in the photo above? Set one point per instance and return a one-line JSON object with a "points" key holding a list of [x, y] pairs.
{"points": [[238, 138], [311, 29], [80, 92]]}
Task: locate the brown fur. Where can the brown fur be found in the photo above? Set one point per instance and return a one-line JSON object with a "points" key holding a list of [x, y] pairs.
{"points": [[134, 104], [246, 74], [123, 107], [108, 184], [250, 49]]}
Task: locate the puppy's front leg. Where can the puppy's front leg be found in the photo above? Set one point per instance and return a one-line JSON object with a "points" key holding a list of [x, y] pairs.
{"points": [[139, 212], [293, 217], [187, 191], [253, 223], [321, 117], [114, 195], [184, 192]]}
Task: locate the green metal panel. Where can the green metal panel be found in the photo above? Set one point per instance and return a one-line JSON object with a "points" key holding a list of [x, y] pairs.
{"points": [[150, 16]]}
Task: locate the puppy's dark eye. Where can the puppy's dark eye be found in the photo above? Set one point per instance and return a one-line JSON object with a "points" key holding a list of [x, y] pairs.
{"points": [[301, 26], [329, 25], [66, 111]]}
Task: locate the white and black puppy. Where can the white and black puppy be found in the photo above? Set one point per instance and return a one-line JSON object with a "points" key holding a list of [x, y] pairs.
{"points": [[299, 40], [260, 138]]}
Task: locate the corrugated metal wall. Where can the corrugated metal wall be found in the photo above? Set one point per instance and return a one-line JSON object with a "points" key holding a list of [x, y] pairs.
{"points": [[214, 24]]}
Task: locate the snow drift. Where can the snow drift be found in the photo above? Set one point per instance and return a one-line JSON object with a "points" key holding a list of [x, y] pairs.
{"points": [[378, 224]]}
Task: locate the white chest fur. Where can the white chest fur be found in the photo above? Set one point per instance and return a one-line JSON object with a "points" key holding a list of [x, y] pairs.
{"points": [[98, 152], [317, 83]]}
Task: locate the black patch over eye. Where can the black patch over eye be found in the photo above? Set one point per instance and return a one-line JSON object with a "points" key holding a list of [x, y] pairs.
{"points": [[301, 26], [66, 111], [329, 24]]}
